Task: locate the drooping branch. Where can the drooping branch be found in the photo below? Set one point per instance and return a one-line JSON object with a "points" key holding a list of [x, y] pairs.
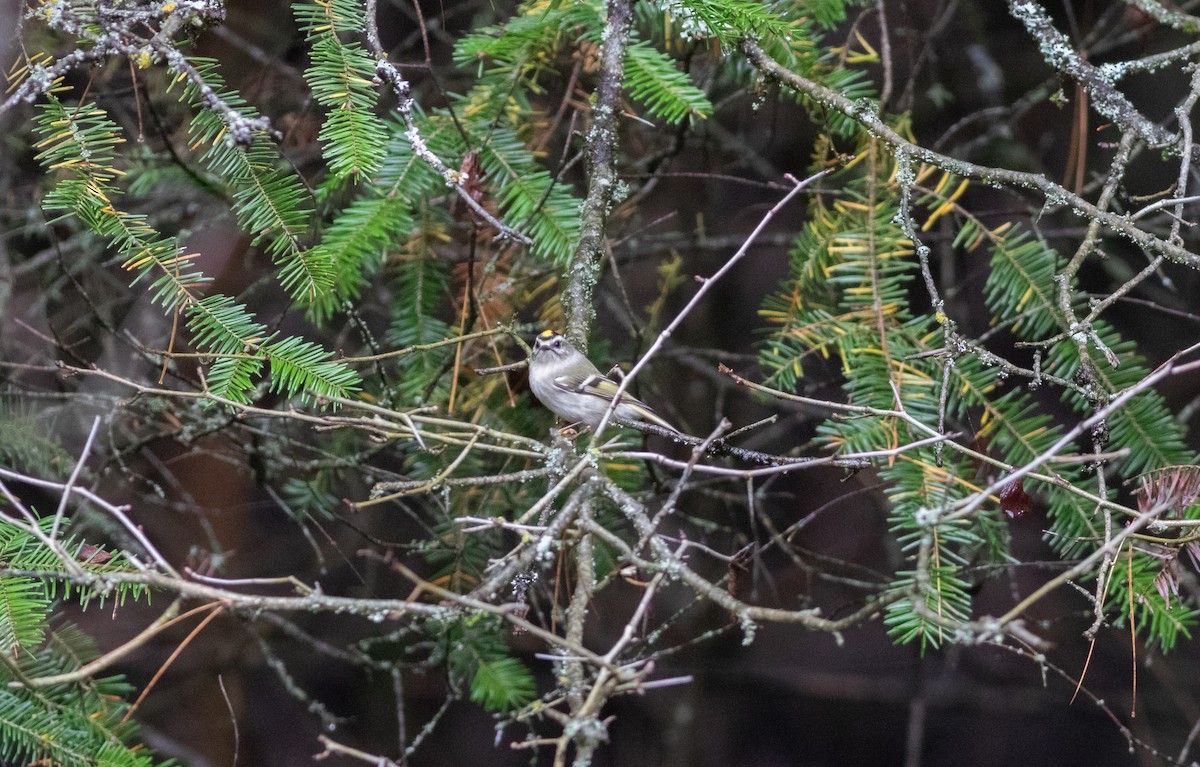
{"points": [[863, 111], [1107, 100], [455, 180]]}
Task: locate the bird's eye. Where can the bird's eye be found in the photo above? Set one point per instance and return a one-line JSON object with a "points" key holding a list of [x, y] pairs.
{"points": [[558, 344]]}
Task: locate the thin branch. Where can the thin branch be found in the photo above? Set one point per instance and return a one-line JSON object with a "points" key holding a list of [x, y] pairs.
{"points": [[705, 286], [66, 491]]}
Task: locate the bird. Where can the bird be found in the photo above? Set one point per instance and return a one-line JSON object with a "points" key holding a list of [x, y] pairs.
{"points": [[566, 382]]}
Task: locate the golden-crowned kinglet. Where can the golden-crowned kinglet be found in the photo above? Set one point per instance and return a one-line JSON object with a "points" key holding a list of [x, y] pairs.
{"points": [[569, 384]]}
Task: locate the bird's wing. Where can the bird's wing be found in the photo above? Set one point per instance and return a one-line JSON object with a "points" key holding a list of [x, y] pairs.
{"points": [[589, 383], [606, 388]]}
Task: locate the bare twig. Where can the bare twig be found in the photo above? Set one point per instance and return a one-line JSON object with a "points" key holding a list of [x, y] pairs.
{"points": [[705, 286]]}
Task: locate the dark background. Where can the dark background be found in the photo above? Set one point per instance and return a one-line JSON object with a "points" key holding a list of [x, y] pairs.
{"points": [[790, 697]]}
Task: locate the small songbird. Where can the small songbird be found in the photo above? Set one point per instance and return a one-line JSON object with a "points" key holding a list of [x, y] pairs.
{"points": [[565, 381]]}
